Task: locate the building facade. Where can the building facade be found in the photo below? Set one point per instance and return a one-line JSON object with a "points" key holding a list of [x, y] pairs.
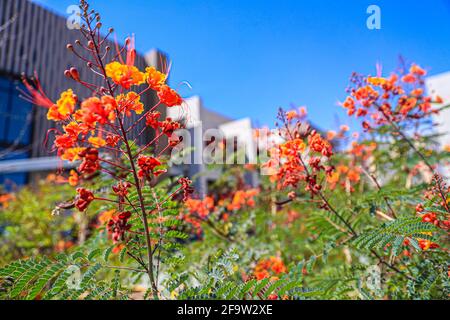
{"points": [[202, 127], [439, 85], [34, 39]]}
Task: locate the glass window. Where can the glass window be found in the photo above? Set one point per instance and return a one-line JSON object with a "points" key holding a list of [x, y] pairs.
{"points": [[15, 116], [5, 83], [18, 130], [4, 100], [15, 130]]}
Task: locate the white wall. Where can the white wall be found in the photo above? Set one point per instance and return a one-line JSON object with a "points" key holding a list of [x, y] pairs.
{"points": [[440, 85]]}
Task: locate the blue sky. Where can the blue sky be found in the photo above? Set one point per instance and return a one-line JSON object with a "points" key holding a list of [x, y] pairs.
{"points": [[249, 57]]}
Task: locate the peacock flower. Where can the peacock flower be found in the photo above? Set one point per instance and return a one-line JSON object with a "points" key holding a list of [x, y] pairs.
{"points": [[169, 97], [155, 79], [72, 154], [124, 75], [74, 178], [130, 102], [35, 94], [64, 107], [97, 142]]}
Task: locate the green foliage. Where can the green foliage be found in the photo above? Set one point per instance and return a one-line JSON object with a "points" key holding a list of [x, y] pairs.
{"points": [[27, 226], [69, 277], [394, 233]]}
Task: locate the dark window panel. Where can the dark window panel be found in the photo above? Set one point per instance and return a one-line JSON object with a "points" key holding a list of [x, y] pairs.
{"points": [[20, 107], [18, 130], [5, 83], [4, 98]]}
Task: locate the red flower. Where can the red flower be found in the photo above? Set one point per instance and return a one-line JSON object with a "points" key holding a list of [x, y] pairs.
{"points": [[148, 165], [426, 245], [118, 225], [169, 126], [153, 119], [169, 97], [186, 187], [84, 199], [95, 110], [318, 144], [90, 162], [64, 141], [430, 218], [121, 189], [112, 140]]}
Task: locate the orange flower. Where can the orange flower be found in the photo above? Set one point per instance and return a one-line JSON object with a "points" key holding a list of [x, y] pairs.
{"points": [[5, 199], [64, 141], [353, 175], [95, 110], [130, 102], [72, 154], [124, 75], [261, 275], [169, 97], [155, 79], [292, 147], [106, 216], [243, 198], [365, 93], [64, 107], [291, 115], [333, 179], [407, 105], [74, 129], [74, 178], [349, 104], [409, 78], [415, 69], [316, 143], [97, 142], [331, 135], [200, 207], [426, 245], [377, 81], [269, 268], [447, 148], [417, 92]]}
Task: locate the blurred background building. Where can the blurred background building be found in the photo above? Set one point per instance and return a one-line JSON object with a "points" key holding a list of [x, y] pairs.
{"points": [[207, 127], [439, 85]]}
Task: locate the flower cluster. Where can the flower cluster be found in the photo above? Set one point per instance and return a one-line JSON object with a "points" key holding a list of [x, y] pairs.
{"points": [[148, 167], [348, 173], [436, 210], [301, 157], [271, 268], [118, 225], [202, 208], [219, 206], [97, 124], [243, 198], [399, 98], [84, 199], [5, 199]]}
